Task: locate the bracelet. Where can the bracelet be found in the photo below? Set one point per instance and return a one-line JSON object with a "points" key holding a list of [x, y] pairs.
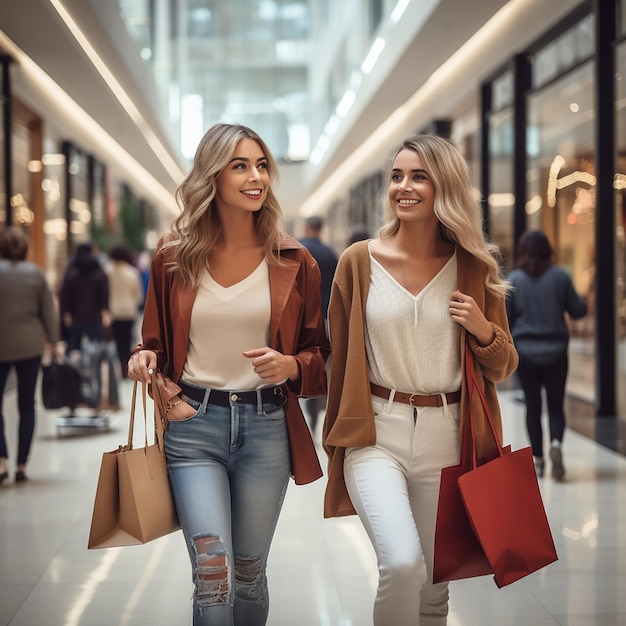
{"points": [[171, 405]]}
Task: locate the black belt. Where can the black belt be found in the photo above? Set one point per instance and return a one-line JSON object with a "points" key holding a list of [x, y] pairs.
{"points": [[219, 397]]}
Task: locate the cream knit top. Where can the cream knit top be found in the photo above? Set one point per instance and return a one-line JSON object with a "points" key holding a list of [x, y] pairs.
{"points": [[411, 341], [225, 322]]}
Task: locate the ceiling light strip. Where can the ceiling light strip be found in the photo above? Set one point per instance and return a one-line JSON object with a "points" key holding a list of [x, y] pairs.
{"points": [[118, 91], [83, 124], [376, 146]]}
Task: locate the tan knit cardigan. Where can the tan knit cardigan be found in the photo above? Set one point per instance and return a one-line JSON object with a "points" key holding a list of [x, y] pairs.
{"points": [[349, 418]]}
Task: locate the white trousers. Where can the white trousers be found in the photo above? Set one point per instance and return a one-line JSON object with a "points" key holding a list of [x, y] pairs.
{"points": [[394, 487]]}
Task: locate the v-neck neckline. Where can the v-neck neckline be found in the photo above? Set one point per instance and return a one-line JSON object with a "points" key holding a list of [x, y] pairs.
{"points": [[417, 296], [238, 285]]}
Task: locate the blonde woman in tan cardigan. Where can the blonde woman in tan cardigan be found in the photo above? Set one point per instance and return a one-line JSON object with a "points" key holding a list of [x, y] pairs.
{"points": [[402, 308]]}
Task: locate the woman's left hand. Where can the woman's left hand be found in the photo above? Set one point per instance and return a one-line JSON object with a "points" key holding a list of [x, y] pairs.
{"points": [[465, 311], [272, 366]]}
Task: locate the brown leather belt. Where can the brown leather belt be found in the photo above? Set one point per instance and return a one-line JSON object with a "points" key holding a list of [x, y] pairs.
{"points": [[415, 399]]}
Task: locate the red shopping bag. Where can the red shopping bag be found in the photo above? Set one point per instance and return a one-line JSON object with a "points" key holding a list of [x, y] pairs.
{"points": [[458, 553], [490, 517], [504, 505], [505, 508]]}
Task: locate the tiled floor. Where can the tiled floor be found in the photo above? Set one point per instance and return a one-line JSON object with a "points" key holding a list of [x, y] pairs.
{"points": [[322, 572]]}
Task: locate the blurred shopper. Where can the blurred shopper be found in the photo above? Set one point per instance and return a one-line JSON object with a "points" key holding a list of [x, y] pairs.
{"points": [[327, 262], [84, 298], [402, 309], [233, 316], [358, 232], [125, 299], [144, 258], [28, 320], [543, 293]]}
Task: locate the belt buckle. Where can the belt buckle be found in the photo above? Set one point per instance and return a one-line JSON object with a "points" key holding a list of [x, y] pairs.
{"points": [[411, 399], [279, 393]]}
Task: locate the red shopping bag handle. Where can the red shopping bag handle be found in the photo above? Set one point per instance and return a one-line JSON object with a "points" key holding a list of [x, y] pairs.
{"points": [[469, 435]]}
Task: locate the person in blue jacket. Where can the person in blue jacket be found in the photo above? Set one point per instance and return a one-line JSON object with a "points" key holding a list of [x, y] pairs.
{"points": [[536, 306], [326, 260]]}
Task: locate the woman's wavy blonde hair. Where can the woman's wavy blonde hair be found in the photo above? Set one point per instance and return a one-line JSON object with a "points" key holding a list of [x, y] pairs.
{"points": [[197, 229], [459, 214]]}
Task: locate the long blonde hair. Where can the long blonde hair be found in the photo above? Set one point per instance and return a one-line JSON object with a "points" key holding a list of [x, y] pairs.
{"points": [[197, 229], [458, 212]]}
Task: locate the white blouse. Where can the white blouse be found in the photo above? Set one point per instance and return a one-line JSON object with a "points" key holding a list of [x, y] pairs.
{"points": [[411, 341]]}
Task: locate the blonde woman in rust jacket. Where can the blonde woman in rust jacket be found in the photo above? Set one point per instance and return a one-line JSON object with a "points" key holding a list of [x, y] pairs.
{"points": [[402, 308], [233, 317]]}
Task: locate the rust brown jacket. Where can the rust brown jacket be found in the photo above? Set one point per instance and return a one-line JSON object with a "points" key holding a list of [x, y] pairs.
{"points": [[296, 328], [349, 418]]}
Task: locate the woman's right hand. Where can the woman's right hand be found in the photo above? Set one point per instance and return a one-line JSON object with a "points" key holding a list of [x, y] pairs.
{"points": [[141, 365]]}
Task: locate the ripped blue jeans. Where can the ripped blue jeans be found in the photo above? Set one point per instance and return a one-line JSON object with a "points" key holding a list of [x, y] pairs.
{"points": [[229, 468]]}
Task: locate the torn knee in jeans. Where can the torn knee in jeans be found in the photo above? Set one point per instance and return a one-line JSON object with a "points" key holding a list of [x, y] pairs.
{"points": [[211, 572], [249, 574]]}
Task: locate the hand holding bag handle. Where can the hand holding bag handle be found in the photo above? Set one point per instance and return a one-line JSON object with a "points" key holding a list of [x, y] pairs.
{"points": [[160, 410], [504, 504], [133, 503]]}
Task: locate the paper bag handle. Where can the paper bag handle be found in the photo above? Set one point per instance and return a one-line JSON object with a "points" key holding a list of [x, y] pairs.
{"points": [[158, 425]]}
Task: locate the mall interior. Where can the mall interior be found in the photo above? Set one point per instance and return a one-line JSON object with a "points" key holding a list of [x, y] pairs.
{"points": [[103, 104]]}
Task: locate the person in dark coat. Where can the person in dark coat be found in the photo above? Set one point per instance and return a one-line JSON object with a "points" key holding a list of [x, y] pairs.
{"points": [[84, 298], [358, 232], [327, 262], [542, 295]]}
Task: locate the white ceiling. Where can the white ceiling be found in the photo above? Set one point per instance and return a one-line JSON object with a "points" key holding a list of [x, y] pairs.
{"points": [[35, 27]]}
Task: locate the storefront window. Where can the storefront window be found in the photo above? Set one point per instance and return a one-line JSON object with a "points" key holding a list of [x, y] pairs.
{"points": [[502, 91], [104, 225], [26, 198], [55, 224], [80, 211], [465, 133], [3, 103], [561, 198], [3, 190], [620, 206], [20, 200], [572, 47], [501, 199]]}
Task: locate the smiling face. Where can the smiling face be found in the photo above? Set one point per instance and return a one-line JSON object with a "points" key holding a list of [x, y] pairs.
{"points": [[243, 184], [411, 189]]}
